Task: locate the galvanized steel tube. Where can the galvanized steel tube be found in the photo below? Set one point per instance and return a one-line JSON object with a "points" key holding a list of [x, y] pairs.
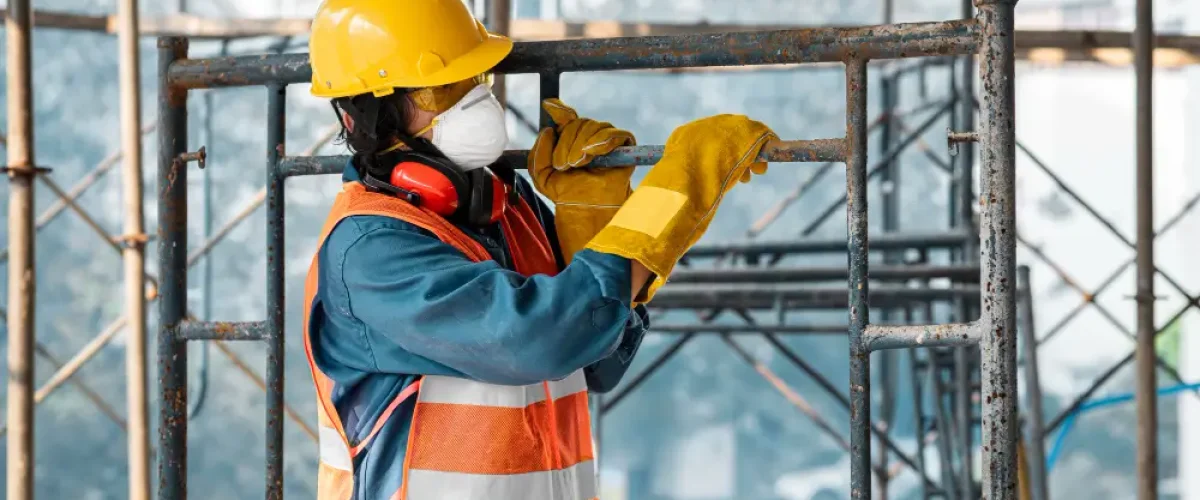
{"points": [[812, 150], [918, 405], [172, 258], [963, 356], [498, 17], [998, 235], [649, 52], [882, 337], [856, 228], [1034, 414], [904, 241], [1146, 385], [958, 273], [134, 252], [22, 284], [276, 127]]}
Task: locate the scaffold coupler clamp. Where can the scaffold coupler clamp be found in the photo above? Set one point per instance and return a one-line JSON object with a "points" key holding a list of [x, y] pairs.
{"points": [[19, 170], [199, 156], [953, 139]]}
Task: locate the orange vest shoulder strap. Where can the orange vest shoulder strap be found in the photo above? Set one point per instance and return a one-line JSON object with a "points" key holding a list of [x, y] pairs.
{"points": [[360, 201]]}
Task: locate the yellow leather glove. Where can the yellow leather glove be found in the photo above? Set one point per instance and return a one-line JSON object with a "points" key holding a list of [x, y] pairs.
{"points": [[673, 206], [585, 199]]}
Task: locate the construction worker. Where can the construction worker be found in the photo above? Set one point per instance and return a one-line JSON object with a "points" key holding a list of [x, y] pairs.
{"points": [[454, 324]]}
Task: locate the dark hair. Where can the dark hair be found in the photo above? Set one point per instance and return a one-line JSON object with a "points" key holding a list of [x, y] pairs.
{"points": [[391, 114]]}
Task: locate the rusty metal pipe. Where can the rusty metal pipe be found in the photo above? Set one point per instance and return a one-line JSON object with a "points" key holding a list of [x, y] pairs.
{"points": [[814, 150], [958, 273], [172, 258], [999, 244], [222, 330], [860, 306], [753, 48], [880, 337], [276, 128], [22, 283], [900, 241]]}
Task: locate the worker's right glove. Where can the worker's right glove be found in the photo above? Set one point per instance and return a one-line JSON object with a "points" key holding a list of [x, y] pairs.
{"points": [[585, 199], [673, 206]]}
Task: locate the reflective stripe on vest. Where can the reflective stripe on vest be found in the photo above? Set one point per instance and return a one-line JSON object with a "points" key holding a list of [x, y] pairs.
{"points": [[468, 440]]}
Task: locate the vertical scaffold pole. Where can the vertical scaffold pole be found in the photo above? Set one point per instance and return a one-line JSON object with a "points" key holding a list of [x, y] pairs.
{"points": [[1033, 391], [964, 356], [1146, 356], [276, 120], [134, 252], [499, 17], [998, 263], [172, 259], [22, 283], [856, 227]]}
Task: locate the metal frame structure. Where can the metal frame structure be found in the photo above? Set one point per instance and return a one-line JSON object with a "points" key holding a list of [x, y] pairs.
{"points": [[940, 364], [990, 34]]}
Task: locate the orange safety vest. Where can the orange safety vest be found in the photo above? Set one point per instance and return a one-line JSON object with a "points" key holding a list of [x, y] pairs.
{"points": [[468, 440]]}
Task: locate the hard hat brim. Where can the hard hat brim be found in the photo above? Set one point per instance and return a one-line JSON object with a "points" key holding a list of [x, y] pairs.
{"points": [[479, 60]]}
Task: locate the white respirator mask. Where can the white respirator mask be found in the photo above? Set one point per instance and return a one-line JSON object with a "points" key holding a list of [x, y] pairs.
{"points": [[474, 132]]}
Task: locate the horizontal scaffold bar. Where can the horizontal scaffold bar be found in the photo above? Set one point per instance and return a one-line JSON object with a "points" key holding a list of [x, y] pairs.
{"points": [[749, 329], [748, 48], [774, 296], [222, 330], [887, 241], [815, 150], [880, 337], [961, 273]]}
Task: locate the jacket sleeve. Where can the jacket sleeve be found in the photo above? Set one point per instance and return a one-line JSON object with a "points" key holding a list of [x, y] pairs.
{"points": [[604, 375], [415, 305]]}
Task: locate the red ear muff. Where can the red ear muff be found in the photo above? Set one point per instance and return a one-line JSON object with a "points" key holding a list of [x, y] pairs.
{"points": [[436, 190], [478, 197]]}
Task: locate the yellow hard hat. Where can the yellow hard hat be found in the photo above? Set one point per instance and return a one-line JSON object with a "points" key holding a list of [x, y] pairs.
{"points": [[375, 46]]}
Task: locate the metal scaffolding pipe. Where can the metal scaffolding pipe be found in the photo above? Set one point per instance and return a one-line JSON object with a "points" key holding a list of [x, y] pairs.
{"points": [[1034, 415], [881, 337], [958, 273], [885, 241], [499, 18], [858, 301], [1146, 386], [276, 127], [700, 328], [813, 150], [964, 181], [22, 283], [807, 45], [998, 234], [134, 253], [771, 295], [222, 330], [172, 259]]}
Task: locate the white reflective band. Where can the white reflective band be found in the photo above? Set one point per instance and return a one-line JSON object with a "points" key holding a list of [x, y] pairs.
{"points": [[572, 483], [450, 390], [334, 452]]}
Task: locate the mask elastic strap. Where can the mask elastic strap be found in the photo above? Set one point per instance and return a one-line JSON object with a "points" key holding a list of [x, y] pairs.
{"points": [[427, 128]]}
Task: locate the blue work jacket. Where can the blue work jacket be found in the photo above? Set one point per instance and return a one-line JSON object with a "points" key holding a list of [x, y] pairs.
{"points": [[394, 302]]}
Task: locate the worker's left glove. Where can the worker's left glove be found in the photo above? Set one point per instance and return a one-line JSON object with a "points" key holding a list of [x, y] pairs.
{"points": [[585, 199]]}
